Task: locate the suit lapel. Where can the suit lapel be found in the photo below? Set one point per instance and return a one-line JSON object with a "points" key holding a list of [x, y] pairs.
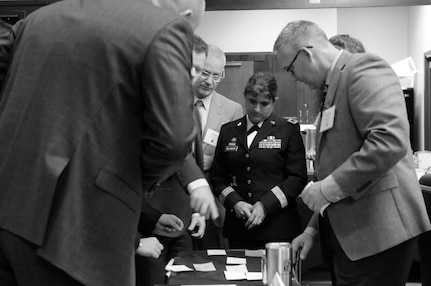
{"points": [[332, 88], [335, 77], [215, 113]]}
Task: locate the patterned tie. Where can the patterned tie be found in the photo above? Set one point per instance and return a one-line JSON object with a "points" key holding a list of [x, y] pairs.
{"points": [[325, 90], [201, 110]]}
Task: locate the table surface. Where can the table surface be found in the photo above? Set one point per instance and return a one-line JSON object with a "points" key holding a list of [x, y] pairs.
{"points": [[189, 258]]}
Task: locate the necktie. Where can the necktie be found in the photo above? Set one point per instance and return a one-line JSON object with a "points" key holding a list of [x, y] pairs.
{"points": [[255, 127], [202, 115], [251, 133], [197, 143], [325, 90]]}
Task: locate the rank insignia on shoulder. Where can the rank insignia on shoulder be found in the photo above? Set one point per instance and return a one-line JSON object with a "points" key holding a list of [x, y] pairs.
{"points": [[292, 120]]}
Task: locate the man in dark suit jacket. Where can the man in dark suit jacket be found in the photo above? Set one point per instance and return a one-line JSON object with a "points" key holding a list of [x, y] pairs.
{"points": [[170, 209], [87, 125], [367, 203]]}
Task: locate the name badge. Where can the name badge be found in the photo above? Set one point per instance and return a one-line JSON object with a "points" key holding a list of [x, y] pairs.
{"points": [[232, 146], [327, 119], [211, 137], [270, 143]]}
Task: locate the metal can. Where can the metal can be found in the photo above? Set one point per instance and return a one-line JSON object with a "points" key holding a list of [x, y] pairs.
{"points": [[279, 261]]}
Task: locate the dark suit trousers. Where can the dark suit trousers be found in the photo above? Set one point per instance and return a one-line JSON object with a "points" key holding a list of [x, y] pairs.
{"points": [[20, 265], [390, 267]]}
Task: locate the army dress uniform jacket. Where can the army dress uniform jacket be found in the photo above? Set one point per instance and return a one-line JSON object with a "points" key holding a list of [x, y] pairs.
{"points": [[275, 158]]}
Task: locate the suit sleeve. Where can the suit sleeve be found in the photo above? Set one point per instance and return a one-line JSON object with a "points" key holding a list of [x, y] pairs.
{"points": [[189, 172], [376, 104], [168, 119]]}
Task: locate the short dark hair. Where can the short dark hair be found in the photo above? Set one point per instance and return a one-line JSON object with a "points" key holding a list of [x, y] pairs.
{"points": [[199, 45], [346, 42], [262, 83]]}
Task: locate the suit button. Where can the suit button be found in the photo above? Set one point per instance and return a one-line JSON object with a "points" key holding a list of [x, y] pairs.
{"points": [[249, 195], [249, 182], [247, 155], [248, 169]]}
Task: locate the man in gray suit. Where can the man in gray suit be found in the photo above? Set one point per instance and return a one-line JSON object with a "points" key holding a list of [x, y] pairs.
{"points": [[367, 203], [87, 126], [215, 110]]}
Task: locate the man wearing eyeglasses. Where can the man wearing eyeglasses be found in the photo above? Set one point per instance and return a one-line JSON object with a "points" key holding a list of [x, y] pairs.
{"points": [[367, 202], [214, 110]]}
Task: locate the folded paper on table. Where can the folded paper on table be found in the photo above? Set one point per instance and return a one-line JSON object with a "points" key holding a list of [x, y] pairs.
{"points": [[236, 260]]}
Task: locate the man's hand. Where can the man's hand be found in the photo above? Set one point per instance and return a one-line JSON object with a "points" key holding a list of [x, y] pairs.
{"points": [[202, 201], [302, 244], [168, 225], [149, 247], [313, 198], [198, 222]]}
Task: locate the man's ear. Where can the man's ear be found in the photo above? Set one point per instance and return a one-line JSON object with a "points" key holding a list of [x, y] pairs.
{"points": [[308, 52]]}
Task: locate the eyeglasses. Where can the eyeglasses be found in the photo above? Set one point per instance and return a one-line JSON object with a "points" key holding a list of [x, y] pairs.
{"points": [[217, 77], [290, 68]]}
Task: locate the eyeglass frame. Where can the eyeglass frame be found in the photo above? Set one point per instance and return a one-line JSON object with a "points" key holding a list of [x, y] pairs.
{"points": [[206, 74], [289, 68]]}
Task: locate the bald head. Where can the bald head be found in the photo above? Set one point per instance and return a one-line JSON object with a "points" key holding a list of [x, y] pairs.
{"points": [[216, 56], [193, 10]]}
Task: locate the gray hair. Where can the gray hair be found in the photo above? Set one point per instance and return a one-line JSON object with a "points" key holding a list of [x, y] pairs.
{"points": [[298, 34]]}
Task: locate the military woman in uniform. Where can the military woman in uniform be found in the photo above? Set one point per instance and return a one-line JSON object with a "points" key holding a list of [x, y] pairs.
{"points": [[259, 170]]}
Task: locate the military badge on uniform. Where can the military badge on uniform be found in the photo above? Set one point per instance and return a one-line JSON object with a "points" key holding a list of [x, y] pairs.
{"points": [[292, 120], [234, 181], [270, 143], [232, 146]]}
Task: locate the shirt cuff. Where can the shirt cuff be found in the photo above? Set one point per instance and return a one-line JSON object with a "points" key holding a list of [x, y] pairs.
{"points": [[331, 190], [281, 197], [197, 184]]}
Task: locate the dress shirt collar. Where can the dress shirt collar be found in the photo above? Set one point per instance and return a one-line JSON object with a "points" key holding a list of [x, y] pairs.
{"points": [[206, 101], [331, 69]]}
